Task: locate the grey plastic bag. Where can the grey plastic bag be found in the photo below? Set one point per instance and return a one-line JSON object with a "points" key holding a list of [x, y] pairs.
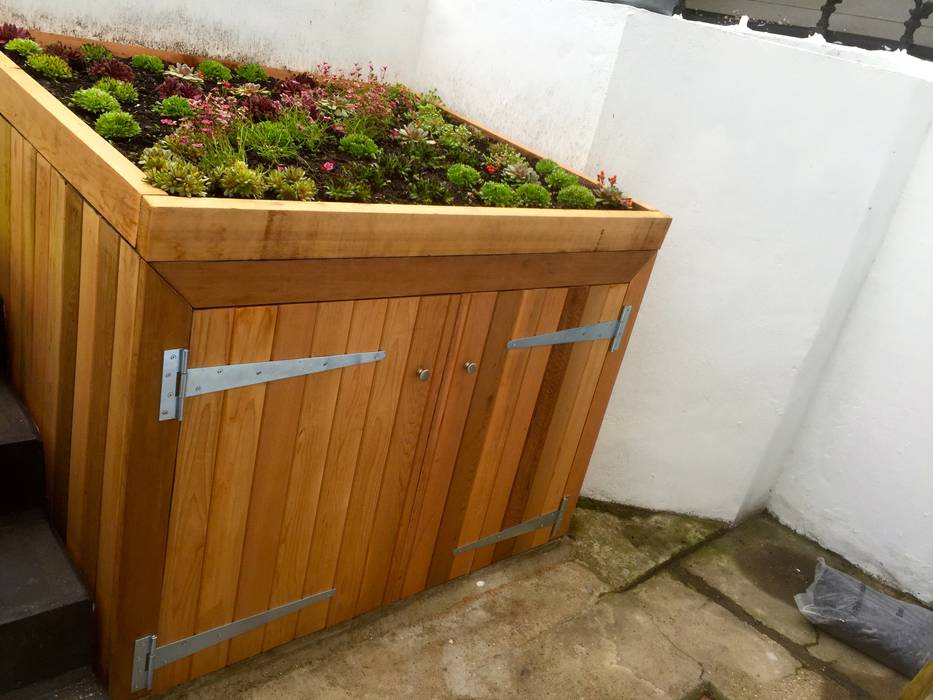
{"points": [[899, 635]]}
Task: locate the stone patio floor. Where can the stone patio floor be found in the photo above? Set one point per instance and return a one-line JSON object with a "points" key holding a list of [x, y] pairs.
{"points": [[633, 605]]}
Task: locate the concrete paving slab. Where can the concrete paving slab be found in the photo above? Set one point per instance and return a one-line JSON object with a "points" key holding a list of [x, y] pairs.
{"points": [[623, 544]]}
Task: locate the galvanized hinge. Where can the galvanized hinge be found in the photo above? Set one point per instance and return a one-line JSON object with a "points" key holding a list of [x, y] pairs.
{"points": [[598, 331], [180, 381], [149, 657], [554, 519]]}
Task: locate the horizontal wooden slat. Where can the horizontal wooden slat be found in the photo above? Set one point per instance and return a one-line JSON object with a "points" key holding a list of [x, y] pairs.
{"points": [[104, 176], [240, 283], [173, 228]]}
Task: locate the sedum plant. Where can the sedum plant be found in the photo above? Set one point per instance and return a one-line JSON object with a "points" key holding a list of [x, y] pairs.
{"points": [[237, 180], [463, 176], [179, 178], [68, 53], [112, 68], [214, 71], [49, 66], [147, 63], [359, 146], [123, 91], [252, 73], [11, 31], [156, 158], [23, 47], [497, 194], [519, 173], [95, 52], [95, 101], [291, 184], [174, 106], [502, 155], [545, 167], [427, 190], [576, 197], [116, 125], [559, 178], [533, 195]]}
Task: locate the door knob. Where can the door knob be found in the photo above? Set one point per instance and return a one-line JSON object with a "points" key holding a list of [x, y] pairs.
{"points": [[471, 367], [424, 374]]}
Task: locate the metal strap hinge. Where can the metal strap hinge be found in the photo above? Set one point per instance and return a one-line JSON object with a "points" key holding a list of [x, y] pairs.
{"points": [[555, 518], [598, 331], [180, 381], [149, 657]]}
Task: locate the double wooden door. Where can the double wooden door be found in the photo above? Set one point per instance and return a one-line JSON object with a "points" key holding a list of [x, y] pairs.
{"points": [[365, 479]]}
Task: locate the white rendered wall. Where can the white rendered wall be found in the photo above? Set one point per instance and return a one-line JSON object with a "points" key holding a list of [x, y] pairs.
{"points": [[297, 34], [860, 475]]}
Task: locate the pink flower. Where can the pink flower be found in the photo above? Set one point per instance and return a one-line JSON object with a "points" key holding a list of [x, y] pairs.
{"points": [[167, 121], [328, 166], [613, 180], [206, 121]]}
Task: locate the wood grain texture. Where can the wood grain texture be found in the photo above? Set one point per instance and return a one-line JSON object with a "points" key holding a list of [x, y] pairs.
{"points": [[105, 177], [921, 687], [191, 497], [234, 465], [173, 228], [240, 283], [294, 332], [97, 295], [6, 178]]}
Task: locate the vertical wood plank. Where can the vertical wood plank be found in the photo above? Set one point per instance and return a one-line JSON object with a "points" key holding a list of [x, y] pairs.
{"points": [[113, 491], [491, 364], [541, 420], [253, 329], [162, 320], [36, 384], [390, 375], [294, 333], [191, 496], [446, 434], [6, 182], [315, 426], [583, 372], [597, 410], [430, 342], [504, 403], [22, 226], [97, 298], [537, 362], [346, 437]]}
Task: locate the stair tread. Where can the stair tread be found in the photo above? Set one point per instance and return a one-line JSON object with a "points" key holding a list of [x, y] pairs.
{"points": [[15, 424], [79, 684], [35, 573]]}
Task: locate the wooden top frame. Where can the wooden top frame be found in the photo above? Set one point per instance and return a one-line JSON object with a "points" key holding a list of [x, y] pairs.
{"points": [[167, 228]]}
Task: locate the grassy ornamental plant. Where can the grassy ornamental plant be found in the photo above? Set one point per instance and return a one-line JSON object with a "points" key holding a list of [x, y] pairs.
{"points": [[209, 130]]}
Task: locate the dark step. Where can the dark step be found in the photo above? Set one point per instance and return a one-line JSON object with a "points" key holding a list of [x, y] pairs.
{"points": [[21, 462], [46, 615], [79, 684]]}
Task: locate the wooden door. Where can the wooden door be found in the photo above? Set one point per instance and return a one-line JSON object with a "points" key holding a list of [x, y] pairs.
{"points": [[281, 487]]}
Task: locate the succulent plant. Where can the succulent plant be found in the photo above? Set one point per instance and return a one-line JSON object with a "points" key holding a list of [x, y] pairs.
{"points": [[497, 194], [545, 167], [411, 133], [291, 184], [559, 178], [214, 71], [179, 178], [533, 195], [156, 158], [174, 106], [123, 91], [11, 31], [112, 68], [95, 101], [247, 89], [145, 62], [116, 125], [176, 86], [49, 66], [63, 51], [23, 47], [576, 197], [262, 107], [252, 73], [520, 173], [182, 71], [359, 146], [463, 176], [502, 155], [95, 52], [237, 180]]}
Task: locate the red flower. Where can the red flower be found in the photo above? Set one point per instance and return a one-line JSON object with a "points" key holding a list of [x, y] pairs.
{"points": [[328, 166], [490, 168]]}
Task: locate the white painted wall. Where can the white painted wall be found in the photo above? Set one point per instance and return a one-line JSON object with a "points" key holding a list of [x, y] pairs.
{"points": [[297, 34], [860, 475], [785, 338]]}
